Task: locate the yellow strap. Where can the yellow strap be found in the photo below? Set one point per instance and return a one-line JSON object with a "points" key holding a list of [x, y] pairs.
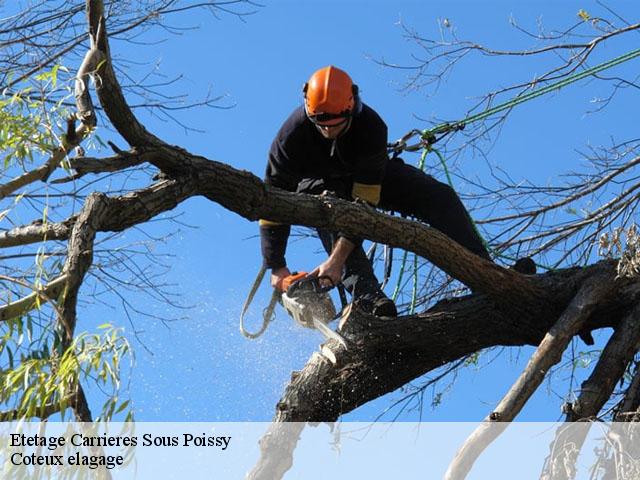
{"points": [[268, 223], [368, 193]]}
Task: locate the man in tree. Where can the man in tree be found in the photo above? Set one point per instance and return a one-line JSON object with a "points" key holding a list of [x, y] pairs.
{"points": [[337, 143]]}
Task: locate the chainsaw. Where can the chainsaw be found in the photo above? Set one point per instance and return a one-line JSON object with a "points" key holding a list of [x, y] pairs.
{"points": [[303, 298]]}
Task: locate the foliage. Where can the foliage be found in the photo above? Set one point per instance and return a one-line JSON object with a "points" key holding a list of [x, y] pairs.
{"points": [[29, 119], [39, 373], [41, 376]]}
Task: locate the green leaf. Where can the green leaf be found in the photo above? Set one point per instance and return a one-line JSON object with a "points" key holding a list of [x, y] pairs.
{"points": [[122, 406]]}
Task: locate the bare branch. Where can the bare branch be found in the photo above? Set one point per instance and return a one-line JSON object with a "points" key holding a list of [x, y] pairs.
{"points": [[109, 91], [20, 307], [548, 353], [594, 393]]}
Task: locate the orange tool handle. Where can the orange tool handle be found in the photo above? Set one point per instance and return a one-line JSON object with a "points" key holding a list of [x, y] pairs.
{"points": [[286, 282]]}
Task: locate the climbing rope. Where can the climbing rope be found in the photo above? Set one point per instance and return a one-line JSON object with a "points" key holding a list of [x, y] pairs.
{"points": [[428, 137]]}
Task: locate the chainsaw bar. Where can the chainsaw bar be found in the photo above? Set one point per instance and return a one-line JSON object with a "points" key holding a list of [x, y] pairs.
{"points": [[310, 306], [328, 333]]}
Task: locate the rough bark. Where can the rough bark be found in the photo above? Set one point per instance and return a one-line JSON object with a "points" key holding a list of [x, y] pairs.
{"points": [[108, 88], [508, 308], [79, 259], [385, 355], [221, 184]]}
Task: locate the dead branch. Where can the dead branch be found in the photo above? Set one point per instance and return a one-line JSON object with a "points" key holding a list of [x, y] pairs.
{"points": [[276, 451], [548, 353], [594, 393]]}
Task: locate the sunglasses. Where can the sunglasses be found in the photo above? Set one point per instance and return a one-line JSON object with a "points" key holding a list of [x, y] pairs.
{"points": [[330, 119]]}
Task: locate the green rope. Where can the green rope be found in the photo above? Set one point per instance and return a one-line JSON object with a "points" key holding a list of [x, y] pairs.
{"points": [[444, 127], [443, 162], [396, 290], [429, 134], [414, 290]]}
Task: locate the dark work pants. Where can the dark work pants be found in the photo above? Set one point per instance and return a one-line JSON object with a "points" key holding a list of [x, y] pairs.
{"points": [[410, 192]]}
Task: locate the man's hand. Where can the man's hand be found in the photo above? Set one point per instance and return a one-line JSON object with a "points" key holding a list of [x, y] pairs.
{"points": [[278, 275], [333, 266], [330, 268]]}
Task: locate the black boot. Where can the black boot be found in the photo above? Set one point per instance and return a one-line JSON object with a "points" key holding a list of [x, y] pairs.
{"points": [[376, 304]]}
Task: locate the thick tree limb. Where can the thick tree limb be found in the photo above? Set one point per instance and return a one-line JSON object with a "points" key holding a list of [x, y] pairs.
{"points": [[594, 393], [79, 258], [383, 356], [108, 89], [221, 183], [548, 353]]}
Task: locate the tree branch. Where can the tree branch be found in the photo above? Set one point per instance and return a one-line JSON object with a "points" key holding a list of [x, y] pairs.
{"points": [[19, 307], [79, 258], [594, 393], [85, 113], [109, 91], [382, 356], [548, 353]]}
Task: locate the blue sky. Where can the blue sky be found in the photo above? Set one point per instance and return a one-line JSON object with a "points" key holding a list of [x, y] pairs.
{"points": [[201, 368]]}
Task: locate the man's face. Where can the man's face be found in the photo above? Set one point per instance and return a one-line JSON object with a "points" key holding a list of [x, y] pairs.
{"points": [[332, 132]]}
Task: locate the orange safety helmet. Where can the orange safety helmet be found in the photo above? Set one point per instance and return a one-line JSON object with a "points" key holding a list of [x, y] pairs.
{"points": [[330, 96]]}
